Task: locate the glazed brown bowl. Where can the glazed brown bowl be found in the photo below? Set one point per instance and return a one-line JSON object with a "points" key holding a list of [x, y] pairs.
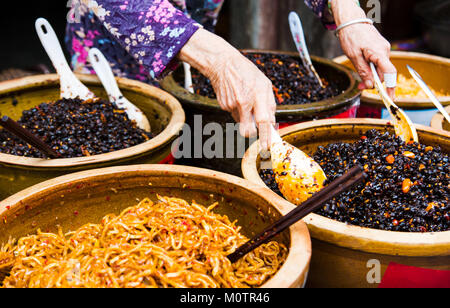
{"points": [[342, 252], [74, 200], [164, 112], [336, 74]]}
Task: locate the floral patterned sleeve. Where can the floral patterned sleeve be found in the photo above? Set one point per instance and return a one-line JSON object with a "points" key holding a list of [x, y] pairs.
{"points": [[152, 32], [141, 38], [320, 8]]}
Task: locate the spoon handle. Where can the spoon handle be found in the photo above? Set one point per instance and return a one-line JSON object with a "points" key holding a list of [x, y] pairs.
{"points": [[299, 38], [188, 84], [403, 124], [105, 74], [429, 93], [71, 87], [275, 135]]}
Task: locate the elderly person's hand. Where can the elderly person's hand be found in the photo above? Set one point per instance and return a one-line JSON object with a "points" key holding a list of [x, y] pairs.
{"points": [[363, 44], [241, 88]]}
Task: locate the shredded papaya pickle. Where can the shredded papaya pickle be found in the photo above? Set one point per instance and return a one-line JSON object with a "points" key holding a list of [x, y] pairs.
{"points": [[165, 244], [409, 88]]}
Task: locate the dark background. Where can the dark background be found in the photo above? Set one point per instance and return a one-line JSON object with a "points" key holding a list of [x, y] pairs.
{"points": [[21, 47]]}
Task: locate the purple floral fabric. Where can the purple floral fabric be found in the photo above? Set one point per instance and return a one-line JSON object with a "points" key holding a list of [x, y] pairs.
{"points": [[141, 38], [320, 8]]}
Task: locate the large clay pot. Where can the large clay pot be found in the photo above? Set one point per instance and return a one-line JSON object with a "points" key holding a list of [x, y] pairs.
{"points": [[342, 253], [86, 197], [433, 69], [211, 112], [439, 122], [165, 114]]}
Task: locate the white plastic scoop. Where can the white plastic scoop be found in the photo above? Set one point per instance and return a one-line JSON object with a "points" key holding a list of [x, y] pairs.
{"points": [[298, 176], [188, 84], [404, 128], [299, 39], [71, 87], [106, 75]]}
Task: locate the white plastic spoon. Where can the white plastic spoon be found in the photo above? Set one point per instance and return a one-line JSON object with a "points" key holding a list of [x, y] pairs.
{"points": [[299, 39], [106, 75], [71, 87], [188, 84], [298, 176], [404, 128]]}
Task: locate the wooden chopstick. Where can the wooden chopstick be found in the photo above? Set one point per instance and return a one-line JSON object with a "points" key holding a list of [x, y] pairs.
{"points": [[352, 177], [17, 130]]}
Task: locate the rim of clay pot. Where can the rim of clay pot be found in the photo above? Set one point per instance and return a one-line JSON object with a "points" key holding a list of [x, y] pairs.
{"points": [[438, 120], [410, 103], [51, 80], [339, 102], [355, 237], [293, 272]]}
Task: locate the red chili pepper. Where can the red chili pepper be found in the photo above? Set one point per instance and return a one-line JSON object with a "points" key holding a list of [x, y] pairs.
{"points": [[390, 159], [406, 186]]}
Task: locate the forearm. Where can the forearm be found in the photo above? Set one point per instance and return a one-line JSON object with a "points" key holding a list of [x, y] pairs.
{"points": [[346, 10], [241, 88], [206, 50], [363, 44]]}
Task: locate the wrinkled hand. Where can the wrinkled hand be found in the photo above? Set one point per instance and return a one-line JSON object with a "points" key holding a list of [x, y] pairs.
{"points": [[363, 44], [244, 91], [241, 88]]}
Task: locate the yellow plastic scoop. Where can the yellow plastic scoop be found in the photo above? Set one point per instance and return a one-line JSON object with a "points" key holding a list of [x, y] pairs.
{"points": [[298, 175]]}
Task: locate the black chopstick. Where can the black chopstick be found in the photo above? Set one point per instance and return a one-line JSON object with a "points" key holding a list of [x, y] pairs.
{"points": [[17, 130], [351, 178]]}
